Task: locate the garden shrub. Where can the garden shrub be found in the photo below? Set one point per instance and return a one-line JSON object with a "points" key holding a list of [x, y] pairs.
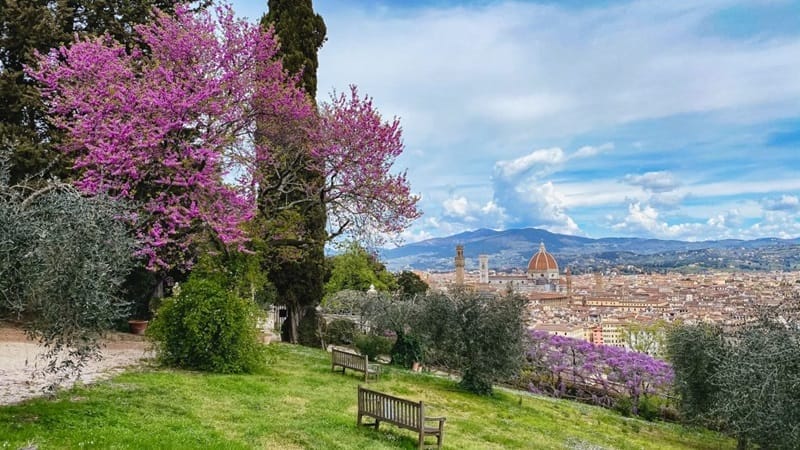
{"points": [[406, 351], [372, 345], [207, 328], [341, 332]]}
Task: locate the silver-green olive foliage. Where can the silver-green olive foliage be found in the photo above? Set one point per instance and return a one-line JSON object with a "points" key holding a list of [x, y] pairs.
{"points": [[63, 257]]}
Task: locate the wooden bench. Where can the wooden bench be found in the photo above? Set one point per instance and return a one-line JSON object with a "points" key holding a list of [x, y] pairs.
{"points": [[354, 361], [398, 411]]}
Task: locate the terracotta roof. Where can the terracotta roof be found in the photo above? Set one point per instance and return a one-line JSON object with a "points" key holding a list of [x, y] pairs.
{"points": [[542, 261]]}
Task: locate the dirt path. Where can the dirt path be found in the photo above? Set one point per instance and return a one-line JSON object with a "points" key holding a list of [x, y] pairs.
{"points": [[18, 360]]}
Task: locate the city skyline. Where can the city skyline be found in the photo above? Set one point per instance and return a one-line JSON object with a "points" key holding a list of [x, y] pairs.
{"points": [[671, 120]]}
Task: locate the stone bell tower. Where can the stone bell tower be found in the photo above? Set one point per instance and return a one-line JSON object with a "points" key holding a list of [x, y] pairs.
{"points": [[484, 268], [460, 265]]}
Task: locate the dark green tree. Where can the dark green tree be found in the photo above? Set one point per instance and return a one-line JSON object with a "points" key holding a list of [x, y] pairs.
{"points": [[302, 33], [299, 276], [695, 352], [480, 336], [743, 381], [410, 283]]}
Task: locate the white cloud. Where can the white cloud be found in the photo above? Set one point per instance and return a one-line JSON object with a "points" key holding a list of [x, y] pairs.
{"points": [[458, 206], [474, 84], [538, 70], [527, 198], [661, 181], [543, 160], [646, 220], [785, 203], [588, 150]]}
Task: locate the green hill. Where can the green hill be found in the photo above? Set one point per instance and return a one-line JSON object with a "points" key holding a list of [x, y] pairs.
{"points": [[299, 403]]}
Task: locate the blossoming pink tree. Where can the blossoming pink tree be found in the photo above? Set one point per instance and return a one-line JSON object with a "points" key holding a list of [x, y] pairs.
{"points": [[356, 152], [189, 124], [171, 124]]}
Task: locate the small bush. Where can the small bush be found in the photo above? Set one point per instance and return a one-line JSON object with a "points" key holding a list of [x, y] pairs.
{"points": [[207, 328], [406, 351], [372, 345], [341, 332]]}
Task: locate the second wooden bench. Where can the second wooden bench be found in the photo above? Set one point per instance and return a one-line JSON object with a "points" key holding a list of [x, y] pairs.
{"points": [[354, 361]]}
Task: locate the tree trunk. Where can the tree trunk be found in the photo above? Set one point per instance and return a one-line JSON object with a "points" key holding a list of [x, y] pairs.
{"points": [[741, 443], [294, 312]]}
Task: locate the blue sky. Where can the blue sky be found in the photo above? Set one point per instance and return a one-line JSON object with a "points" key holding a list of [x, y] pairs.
{"points": [[669, 119]]}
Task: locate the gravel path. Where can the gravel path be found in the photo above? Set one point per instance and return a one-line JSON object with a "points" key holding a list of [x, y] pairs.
{"points": [[18, 361]]}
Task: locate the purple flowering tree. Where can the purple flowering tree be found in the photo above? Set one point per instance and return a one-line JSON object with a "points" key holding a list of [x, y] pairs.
{"points": [[170, 123], [191, 124], [562, 366]]}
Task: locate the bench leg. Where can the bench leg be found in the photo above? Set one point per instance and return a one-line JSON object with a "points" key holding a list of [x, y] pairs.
{"points": [[421, 440]]}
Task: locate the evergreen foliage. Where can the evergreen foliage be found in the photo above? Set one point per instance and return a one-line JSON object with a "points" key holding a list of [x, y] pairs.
{"points": [[299, 279], [482, 337], [302, 33], [357, 269], [63, 257], [373, 345], [743, 380], [407, 350], [206, 327], [410, 283], [341, 332], [695, 352]]}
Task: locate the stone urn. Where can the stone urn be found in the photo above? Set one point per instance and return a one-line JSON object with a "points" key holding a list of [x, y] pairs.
{"points": [[137, 327]]}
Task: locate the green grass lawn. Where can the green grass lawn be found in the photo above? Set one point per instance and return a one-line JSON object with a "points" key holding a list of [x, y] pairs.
{"points": [[299, 403]]}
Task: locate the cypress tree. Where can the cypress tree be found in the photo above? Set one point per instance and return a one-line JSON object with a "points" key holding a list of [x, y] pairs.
{"points": [[299, 281], [301, 33]]}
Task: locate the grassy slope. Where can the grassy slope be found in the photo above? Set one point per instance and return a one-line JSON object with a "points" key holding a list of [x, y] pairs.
{"points": [[298, 403]]}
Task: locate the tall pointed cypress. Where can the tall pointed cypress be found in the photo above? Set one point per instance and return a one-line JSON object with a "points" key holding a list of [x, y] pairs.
{"points": [[299, 282]]}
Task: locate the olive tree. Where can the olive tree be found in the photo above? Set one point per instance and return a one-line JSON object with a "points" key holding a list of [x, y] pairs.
{"points": [[745, 380], [63, 256], [480, 336]]}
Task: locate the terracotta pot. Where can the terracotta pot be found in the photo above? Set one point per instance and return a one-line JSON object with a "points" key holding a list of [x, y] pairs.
{"points": [[137, 326]]}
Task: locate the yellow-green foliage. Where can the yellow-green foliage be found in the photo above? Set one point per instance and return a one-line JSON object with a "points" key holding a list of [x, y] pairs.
{"points": [[298, 403], [208, 328]]}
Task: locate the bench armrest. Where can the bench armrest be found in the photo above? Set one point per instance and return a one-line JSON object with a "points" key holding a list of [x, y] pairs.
{"points": [[440, 419]]}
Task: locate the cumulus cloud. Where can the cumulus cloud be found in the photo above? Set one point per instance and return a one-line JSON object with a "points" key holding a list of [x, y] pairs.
{"points": [[533, 75], [461, 210], [790, 203], [644, 219], [661, 181], [528, 198], [540, 162], [456, 206]]}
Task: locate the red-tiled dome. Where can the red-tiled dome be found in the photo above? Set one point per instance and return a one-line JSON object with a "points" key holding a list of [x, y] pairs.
{"points": [[542, 261]]}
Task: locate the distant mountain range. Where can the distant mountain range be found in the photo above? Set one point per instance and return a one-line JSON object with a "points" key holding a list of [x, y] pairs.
{"points": [[513, 248]]}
